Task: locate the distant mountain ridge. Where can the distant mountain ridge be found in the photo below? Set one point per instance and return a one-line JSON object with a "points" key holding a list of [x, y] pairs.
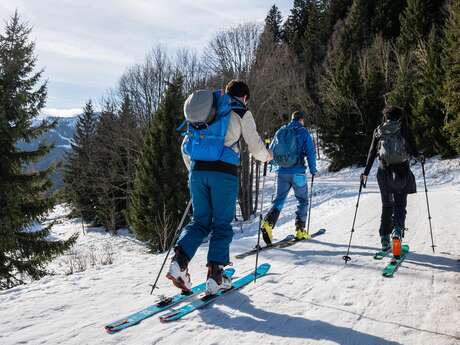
{"points": [[61, 137]]}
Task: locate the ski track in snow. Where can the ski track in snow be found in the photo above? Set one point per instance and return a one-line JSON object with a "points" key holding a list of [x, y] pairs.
{"points": [[309, 297]]}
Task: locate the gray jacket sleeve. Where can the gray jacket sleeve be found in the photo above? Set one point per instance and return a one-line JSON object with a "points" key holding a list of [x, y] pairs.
{"points": [[252, 138]]}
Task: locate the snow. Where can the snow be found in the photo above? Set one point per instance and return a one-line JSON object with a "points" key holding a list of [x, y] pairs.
{"points": [[309, 297]]}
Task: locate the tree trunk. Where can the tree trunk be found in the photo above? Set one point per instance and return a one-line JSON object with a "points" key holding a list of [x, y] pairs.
{"points": [[245, 194]]}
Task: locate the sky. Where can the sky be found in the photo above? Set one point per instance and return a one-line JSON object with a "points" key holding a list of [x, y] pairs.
{"points": [[85, 45]]}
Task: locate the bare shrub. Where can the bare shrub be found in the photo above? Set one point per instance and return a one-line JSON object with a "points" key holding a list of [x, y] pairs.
{"points": [[107, 255], [75, 261], [92, 256]]}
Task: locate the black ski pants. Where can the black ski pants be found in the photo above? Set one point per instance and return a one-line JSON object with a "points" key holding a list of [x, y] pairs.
{"points": [[393, 191], [393, 211]]}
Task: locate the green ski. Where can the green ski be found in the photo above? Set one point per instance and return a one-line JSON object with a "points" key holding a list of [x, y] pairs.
{"points": [[391, 268], [381, 254]]}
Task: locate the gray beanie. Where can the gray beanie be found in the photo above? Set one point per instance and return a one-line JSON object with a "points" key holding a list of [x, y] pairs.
{"points": [[199, 107]]}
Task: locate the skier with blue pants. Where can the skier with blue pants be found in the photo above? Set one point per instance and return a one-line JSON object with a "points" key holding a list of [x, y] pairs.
{"points": [[211, 153], [293, 177]]}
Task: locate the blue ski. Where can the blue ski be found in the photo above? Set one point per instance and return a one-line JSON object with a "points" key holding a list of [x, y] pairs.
{"points": [[143, 314], [176, 314]]}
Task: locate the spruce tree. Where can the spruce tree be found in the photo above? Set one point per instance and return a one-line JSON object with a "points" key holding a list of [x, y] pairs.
{"points": [[273, 23], [108, 171], [428, 111], [352, 90], [334, 13], [314, 50], [129, 144], [79, 184], [24, 197], [417, 21], [160, 185], [387, 17], [451, 85], [296, 24], [358, 25]]}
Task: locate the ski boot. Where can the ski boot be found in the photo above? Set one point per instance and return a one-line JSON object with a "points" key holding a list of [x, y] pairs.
{"points": [[267, 232], [301, 234], [178, 271], [397, 238], [217, 280], [386, 242]]}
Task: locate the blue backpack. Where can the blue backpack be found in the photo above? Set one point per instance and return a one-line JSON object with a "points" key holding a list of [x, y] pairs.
{"points": [[285, 148], [205, 142]]}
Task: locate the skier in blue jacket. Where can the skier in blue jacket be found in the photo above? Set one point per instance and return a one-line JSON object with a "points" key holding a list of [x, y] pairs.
{"points": [[293, 177], [214, 188]]}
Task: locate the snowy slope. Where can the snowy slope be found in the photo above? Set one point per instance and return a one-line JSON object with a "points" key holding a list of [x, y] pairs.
{"points": [[310, 297]]}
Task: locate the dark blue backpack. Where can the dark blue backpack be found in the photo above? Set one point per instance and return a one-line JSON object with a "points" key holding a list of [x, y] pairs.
{"points": [[206, 141], [285, 147]]}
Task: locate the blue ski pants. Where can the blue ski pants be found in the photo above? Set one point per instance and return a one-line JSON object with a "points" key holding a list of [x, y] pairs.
{"points": [[284, 184], [214, 196]]}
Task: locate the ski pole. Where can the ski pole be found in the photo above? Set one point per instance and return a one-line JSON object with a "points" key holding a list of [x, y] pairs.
{"points": [[260, 221], [427, 204], [347, 257], [176, 235], [275, 185], [309, 207]]}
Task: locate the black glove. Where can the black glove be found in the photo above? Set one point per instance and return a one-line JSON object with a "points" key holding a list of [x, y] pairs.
{"points": [[421, 158]]}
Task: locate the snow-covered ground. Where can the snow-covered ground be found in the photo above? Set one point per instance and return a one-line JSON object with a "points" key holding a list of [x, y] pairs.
{"points": [[309, 297]]}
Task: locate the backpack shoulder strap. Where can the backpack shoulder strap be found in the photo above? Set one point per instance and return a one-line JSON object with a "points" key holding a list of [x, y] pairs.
{"points": [[240, 112], [238, 107]]}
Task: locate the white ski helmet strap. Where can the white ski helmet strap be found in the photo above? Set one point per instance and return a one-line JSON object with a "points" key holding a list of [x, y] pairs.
{"points": [[199, 107]]}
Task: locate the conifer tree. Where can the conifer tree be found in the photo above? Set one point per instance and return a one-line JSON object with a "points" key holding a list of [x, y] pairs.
{"points": [[296, 25], [129, 145], [160, 185], [24, 198], [358, 25], [451, 85], [334, 11], [386, 19], [79, 183], [417, 21], [107, 172], [352, 90], [273, 23], [428, 111]]}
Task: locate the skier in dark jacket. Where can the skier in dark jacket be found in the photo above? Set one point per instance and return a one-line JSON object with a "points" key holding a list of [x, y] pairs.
{"points": [[393, 143]]}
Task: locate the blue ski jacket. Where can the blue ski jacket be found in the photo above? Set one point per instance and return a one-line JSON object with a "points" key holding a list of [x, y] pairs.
{"points": [[307, 150]]}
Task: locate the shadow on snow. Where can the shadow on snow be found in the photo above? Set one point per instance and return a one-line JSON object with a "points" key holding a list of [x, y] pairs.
{"points": [[283, 325]]}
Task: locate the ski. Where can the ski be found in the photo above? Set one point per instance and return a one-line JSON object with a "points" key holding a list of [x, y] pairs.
{"points": [[156, 308], [391, 268], [286, 242], [381, 254], [176, 314]]}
